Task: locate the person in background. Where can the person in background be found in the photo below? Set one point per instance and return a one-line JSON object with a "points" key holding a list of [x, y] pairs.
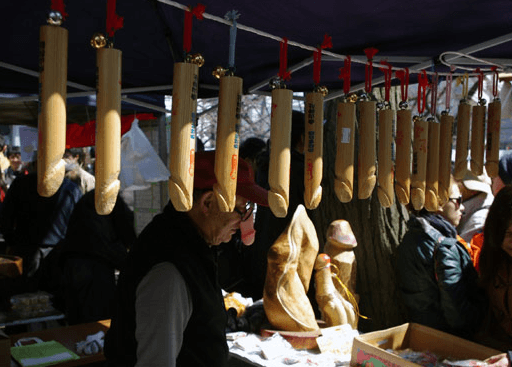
{"points": [[170, 309], [477, 198], [94, 247], [4, 161], [32, 225], [496, 271], [76, 156], [436, 277], [504, 178], [504, 173], [250, 150], [16, 167], [230, 255]]}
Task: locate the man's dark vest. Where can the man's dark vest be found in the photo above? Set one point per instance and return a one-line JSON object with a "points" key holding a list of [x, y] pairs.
{"points": [[172, 237]]}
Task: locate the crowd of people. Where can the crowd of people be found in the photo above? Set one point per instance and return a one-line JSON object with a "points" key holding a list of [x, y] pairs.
{"points": [[454, 266]]}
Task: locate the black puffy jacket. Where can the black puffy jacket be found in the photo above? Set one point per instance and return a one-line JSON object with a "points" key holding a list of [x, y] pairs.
{"points": [[438, 281]]}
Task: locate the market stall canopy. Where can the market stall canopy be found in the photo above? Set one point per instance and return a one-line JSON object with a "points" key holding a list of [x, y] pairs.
{"points": [[419, 35]]}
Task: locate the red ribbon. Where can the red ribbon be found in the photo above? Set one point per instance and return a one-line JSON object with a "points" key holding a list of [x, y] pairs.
{"points": [[196, 11], [327, 42], [283, 60], [480, 82], [448, 92], [58, 5], [403, 76], [317, 57], [345, 74], [370, 52], [433, 95], [422, 91], [114, 21], [495, 80], [388, 72]]}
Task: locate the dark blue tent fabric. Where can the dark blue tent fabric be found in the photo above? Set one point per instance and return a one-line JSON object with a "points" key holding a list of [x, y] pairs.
{"points": [[152, 37]]}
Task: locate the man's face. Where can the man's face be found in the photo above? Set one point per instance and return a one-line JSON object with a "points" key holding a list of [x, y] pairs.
{"points": [[226, 224], [15, 160]]}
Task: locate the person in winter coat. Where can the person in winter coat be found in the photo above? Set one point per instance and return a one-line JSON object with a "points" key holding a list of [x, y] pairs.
{"points": [[437, 279], [94, 247], [496, 271]]}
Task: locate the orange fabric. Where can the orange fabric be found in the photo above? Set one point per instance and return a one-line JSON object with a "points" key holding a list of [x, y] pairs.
{"points": [[473, 247], [477, 242]]}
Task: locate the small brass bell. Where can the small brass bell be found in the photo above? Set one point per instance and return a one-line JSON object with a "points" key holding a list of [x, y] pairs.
{"points": [[98, 40], [352, 98], [219, 72], [322, 90], [197, 59]]}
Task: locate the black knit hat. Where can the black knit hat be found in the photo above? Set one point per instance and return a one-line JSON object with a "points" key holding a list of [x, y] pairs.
{"points": [[505, 168]]}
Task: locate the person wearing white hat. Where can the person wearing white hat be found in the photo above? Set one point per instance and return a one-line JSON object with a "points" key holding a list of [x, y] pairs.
{"points": [[477, 198]]}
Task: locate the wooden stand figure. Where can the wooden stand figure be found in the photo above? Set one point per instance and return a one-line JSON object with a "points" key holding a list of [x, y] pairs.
{"points": [[183, 135], [280, 135], [432, 178], [367, 155], [419, 163], [313, 169], [228, 142], [340, 245], [108, 129], [403, 155], [53, 49], [344, 165], [334, 308], [385, 172]]}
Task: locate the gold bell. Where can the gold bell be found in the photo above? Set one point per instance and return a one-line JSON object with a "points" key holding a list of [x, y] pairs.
{"points": [[352, 98], [98, 40], [197, 59], [322, 90], [219, 72]]}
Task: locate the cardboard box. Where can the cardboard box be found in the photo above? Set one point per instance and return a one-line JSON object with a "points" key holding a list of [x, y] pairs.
{"points": [[371, 347], [5, 350]]}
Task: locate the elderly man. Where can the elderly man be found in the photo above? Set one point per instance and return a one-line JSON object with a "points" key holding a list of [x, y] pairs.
{"points": [[170, 309]]}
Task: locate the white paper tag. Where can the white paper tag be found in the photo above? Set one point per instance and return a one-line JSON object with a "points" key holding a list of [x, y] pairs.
{"points": [[345, 135]]}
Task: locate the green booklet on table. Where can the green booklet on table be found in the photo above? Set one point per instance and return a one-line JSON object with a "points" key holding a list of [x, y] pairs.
{"points": [[42, 354]]}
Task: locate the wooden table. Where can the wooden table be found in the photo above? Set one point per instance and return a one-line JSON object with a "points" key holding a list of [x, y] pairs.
{"points": [[68, 336]]}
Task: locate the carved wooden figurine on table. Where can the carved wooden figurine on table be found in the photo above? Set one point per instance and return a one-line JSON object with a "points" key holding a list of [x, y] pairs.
{"points": [[290, 267]]}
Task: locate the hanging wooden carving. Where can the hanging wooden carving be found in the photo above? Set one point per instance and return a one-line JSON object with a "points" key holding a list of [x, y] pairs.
{"points": [[53, 66], [493, 130]]}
